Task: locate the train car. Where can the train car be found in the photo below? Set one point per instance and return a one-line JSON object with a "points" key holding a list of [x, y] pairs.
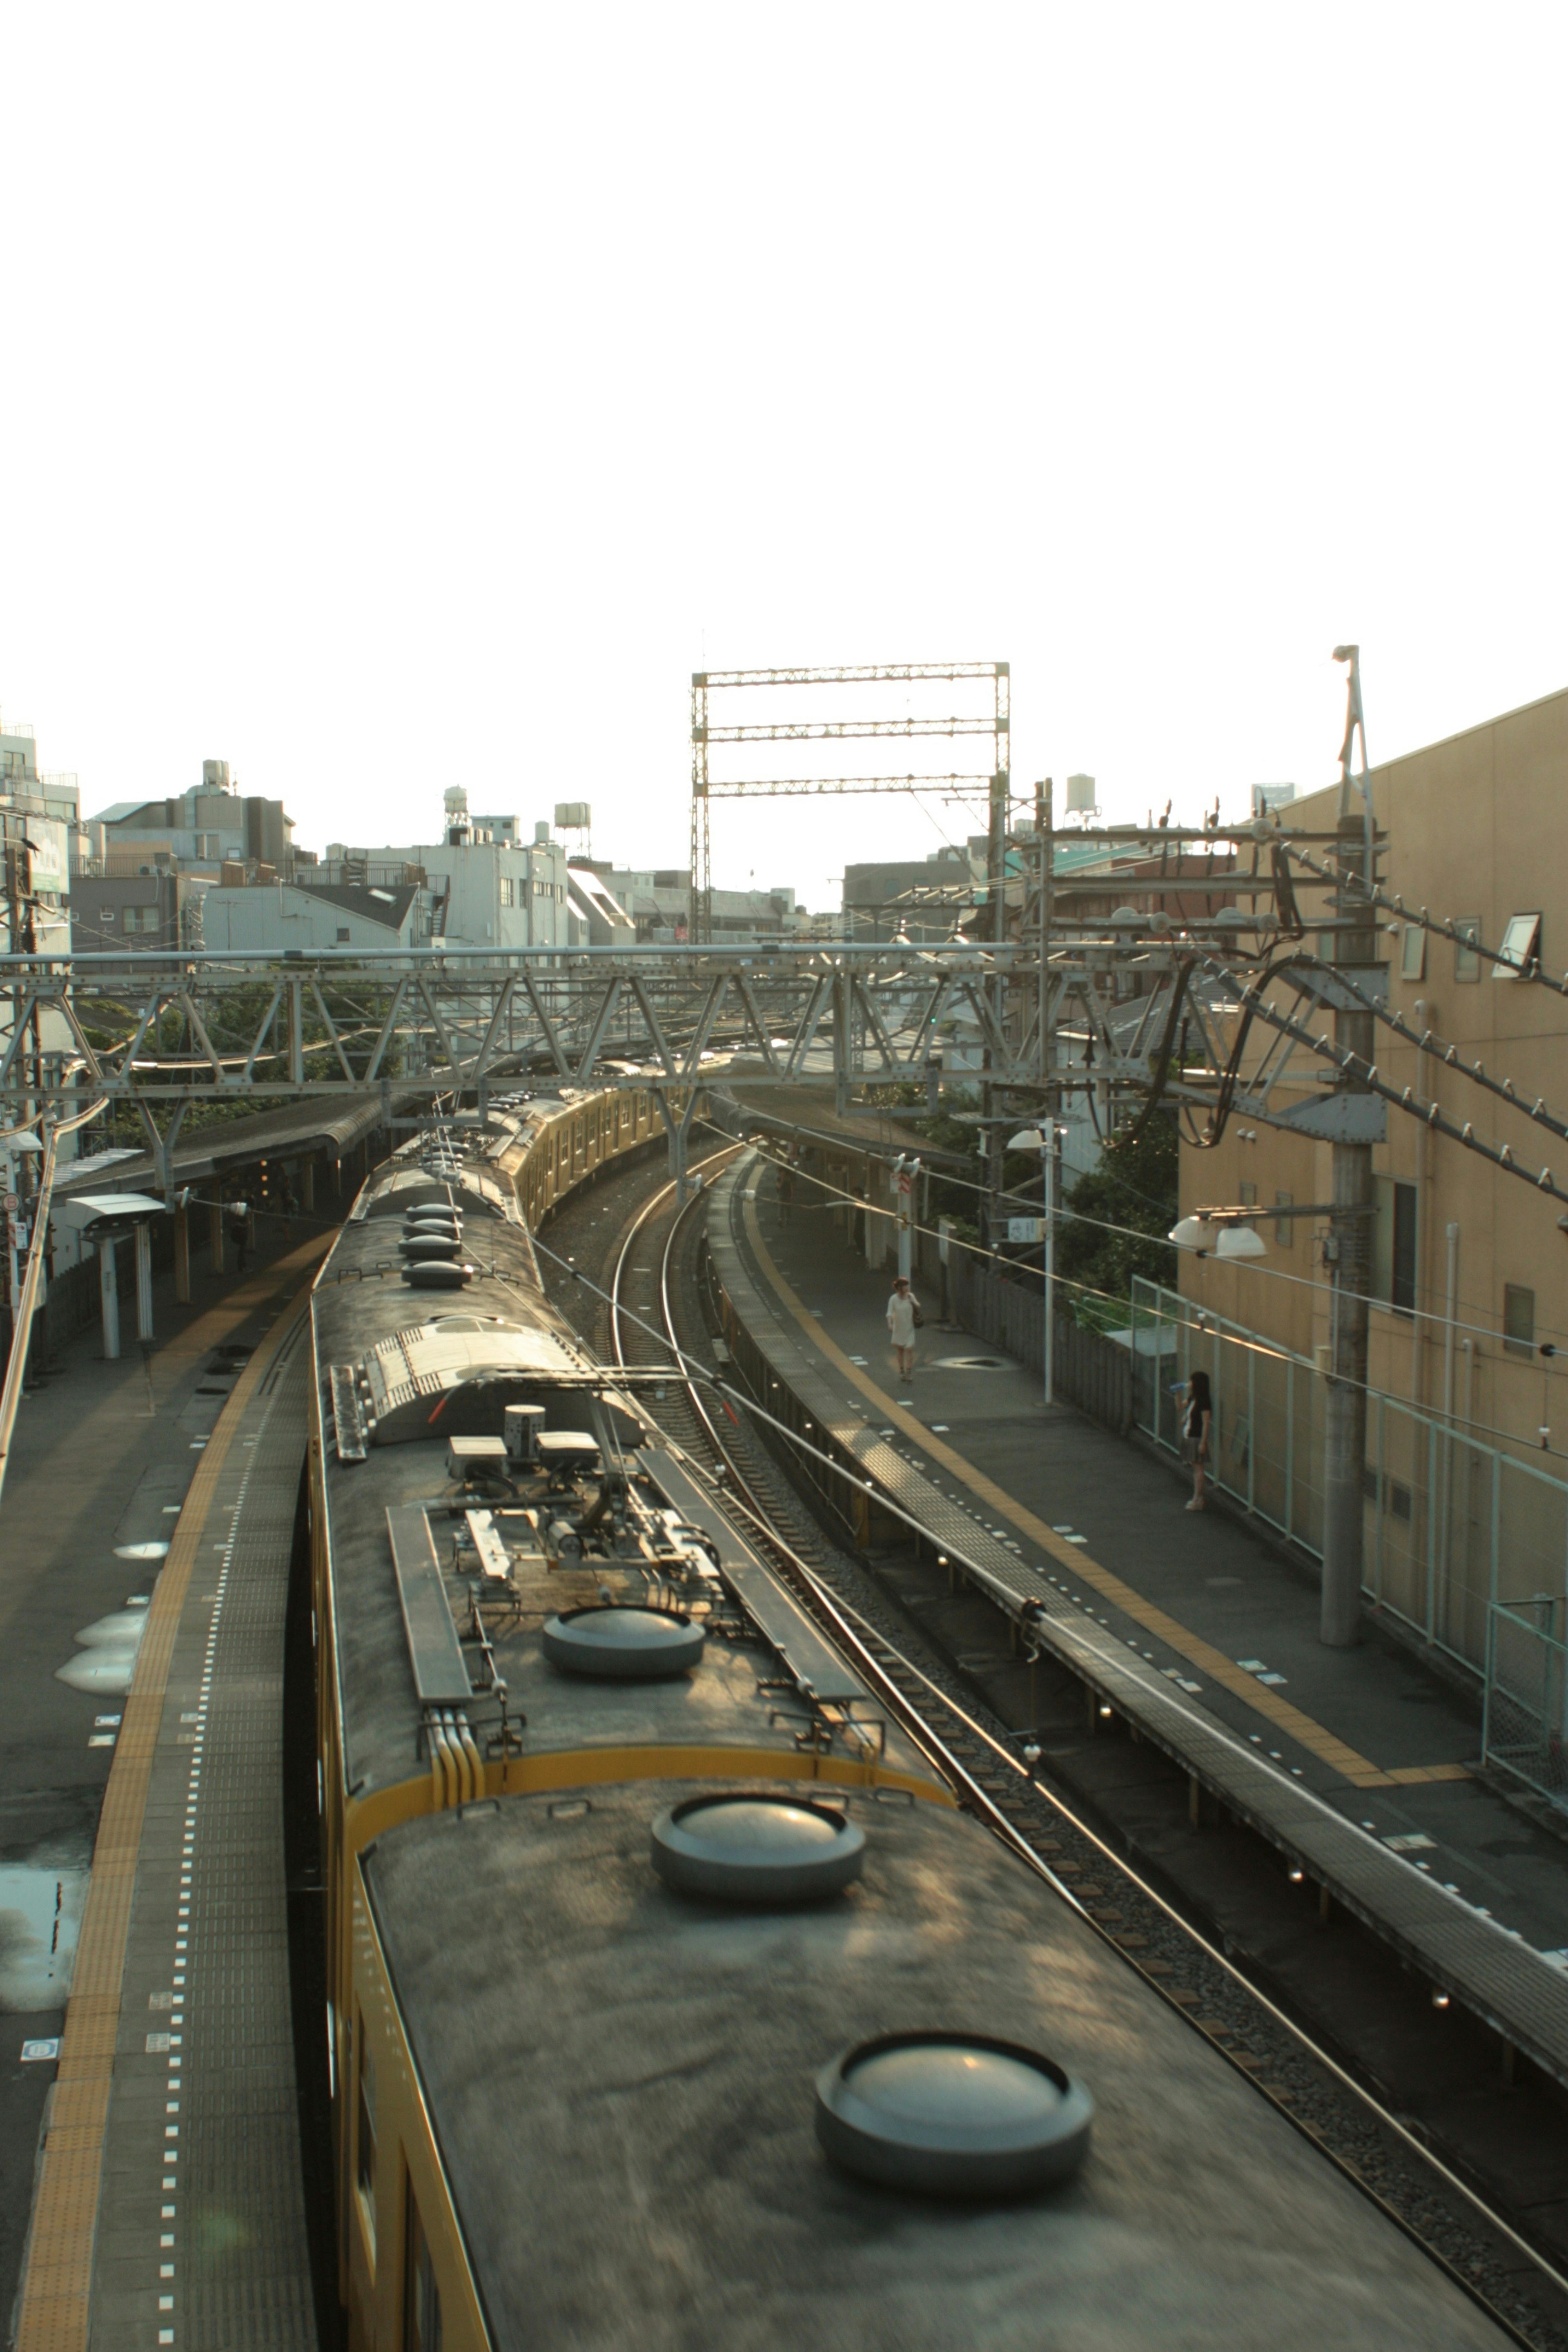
{"points": [[674, 2001]]}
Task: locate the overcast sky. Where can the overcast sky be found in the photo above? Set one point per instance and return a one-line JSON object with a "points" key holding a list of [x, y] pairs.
{"points": [[401, 398]]}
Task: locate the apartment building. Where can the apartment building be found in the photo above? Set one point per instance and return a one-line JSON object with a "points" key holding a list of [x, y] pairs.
{"points": [[200, 830]]}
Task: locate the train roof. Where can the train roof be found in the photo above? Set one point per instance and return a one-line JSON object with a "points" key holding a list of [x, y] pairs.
{"points": [[421, 1368], [620, 2079]]}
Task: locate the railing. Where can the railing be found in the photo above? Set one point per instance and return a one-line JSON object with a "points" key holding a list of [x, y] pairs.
{"points": [[1087, 1370], [1444, 1511], [1526, 1724]]}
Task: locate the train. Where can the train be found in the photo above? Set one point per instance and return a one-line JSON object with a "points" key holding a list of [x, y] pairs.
{"points": [[673, 2000]]}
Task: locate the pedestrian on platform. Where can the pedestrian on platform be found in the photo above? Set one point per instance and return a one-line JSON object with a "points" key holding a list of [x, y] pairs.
{"points": [[903, 1319], [786, 1195], [240, 1230], [1197, 1431]]}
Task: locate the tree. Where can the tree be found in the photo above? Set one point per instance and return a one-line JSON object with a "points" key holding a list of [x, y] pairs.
{"points": [[1134, 1185]]}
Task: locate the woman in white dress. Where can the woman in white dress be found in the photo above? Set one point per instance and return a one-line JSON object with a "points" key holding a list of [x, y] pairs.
{"points": [[903, 1311]]}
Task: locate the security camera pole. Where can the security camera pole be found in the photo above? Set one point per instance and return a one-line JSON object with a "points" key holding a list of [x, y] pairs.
{"points": [[1359, 1120]]}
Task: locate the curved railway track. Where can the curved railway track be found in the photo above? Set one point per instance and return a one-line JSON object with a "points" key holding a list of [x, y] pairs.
{"points": [[1451, 2218]]}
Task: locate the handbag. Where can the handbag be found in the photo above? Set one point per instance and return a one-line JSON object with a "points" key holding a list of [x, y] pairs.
{"points": [[919, 1318]]}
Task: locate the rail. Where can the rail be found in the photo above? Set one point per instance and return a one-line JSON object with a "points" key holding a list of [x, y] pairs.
{"points": [[965, 1749]]}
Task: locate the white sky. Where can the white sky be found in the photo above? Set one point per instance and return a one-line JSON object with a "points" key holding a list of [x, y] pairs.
{"points": [[397, 398]]}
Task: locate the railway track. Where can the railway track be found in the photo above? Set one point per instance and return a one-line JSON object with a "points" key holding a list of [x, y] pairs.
{"points": [[644, 1315]]}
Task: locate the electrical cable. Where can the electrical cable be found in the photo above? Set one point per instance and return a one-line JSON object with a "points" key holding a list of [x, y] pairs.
{"points": [[1354, 884], [1451, 1058], [1135, 1233], [1364, 1074]]}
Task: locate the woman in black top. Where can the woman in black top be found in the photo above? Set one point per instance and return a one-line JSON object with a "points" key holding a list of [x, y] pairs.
{"points": [[1197, 1426]]}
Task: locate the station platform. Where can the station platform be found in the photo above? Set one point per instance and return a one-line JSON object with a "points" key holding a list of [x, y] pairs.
{"points": [[167, 2207], [1355, 1763]]}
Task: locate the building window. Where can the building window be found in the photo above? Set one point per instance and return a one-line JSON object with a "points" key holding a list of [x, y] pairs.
{"points": [[422, 2296], [1520, 945], [342, 934], [506, 891], [1413, 952], [1467, 963], [139, 919], [1402, 1287], [1284, 1227], [1393, 1245], [365, 2156], [1518, 1319], [1248, 1196]]}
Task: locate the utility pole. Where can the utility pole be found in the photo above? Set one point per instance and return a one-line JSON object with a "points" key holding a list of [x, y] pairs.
{"points": [[1051, 1160], [1045, 838], [1358, 1115], [907, 1171], [998, 811]]}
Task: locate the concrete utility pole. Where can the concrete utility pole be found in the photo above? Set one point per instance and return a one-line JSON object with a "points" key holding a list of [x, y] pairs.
{"points": [[1358, 1114], [996, 893]]}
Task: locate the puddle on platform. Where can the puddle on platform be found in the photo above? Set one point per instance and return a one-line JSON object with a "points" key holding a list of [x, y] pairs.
{"points": [[105, 1664], [40, 1914]]}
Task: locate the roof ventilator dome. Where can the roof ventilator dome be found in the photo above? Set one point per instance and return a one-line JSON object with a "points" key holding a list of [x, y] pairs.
{"points": [[434, 1274], [953, 2115], [433, 1244], [622, 1642], [757, 1849]]}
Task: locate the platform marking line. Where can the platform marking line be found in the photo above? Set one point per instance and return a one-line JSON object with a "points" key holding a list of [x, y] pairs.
{"points": [[53, 2316], [1313, 1736]]}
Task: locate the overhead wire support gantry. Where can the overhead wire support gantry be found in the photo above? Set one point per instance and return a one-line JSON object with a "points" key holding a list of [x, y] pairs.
{"points": [[792, 726]]}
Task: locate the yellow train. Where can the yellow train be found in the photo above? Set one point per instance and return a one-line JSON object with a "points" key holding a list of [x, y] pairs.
{"points": [[672, 2002]]}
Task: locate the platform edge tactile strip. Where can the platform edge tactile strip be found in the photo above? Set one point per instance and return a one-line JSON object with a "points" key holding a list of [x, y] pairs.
{"points": [[1502, 1979]]}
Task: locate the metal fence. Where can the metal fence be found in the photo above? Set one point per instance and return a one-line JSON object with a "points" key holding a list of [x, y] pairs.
{"points": [[1451, 1523], [1088, 1371], [1527, 1693]]}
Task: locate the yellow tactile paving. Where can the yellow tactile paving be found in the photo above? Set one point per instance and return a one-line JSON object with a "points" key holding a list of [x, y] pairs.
{"points": [[1329, 1749], [53, 2315]]}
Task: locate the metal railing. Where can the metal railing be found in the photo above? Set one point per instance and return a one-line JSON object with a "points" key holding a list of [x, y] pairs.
{"points": [[1450, 1521], [1526, 1723]]}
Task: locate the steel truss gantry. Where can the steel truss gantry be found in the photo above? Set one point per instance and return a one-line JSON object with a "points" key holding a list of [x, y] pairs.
{"points": [[249, 1028], [993, 782], [1045, 1010]]}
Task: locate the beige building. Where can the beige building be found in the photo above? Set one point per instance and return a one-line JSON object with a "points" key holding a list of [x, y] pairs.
{"points": [[1471, 1263]]}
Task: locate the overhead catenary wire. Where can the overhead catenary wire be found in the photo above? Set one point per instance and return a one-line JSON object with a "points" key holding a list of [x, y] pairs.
{"points": [[1364, 1075], [1451, 1058], [1446, 927], [1136, 1232]]}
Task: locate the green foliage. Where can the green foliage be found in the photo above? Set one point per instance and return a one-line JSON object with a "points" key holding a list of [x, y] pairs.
{"points": [[1134, 1185]]}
